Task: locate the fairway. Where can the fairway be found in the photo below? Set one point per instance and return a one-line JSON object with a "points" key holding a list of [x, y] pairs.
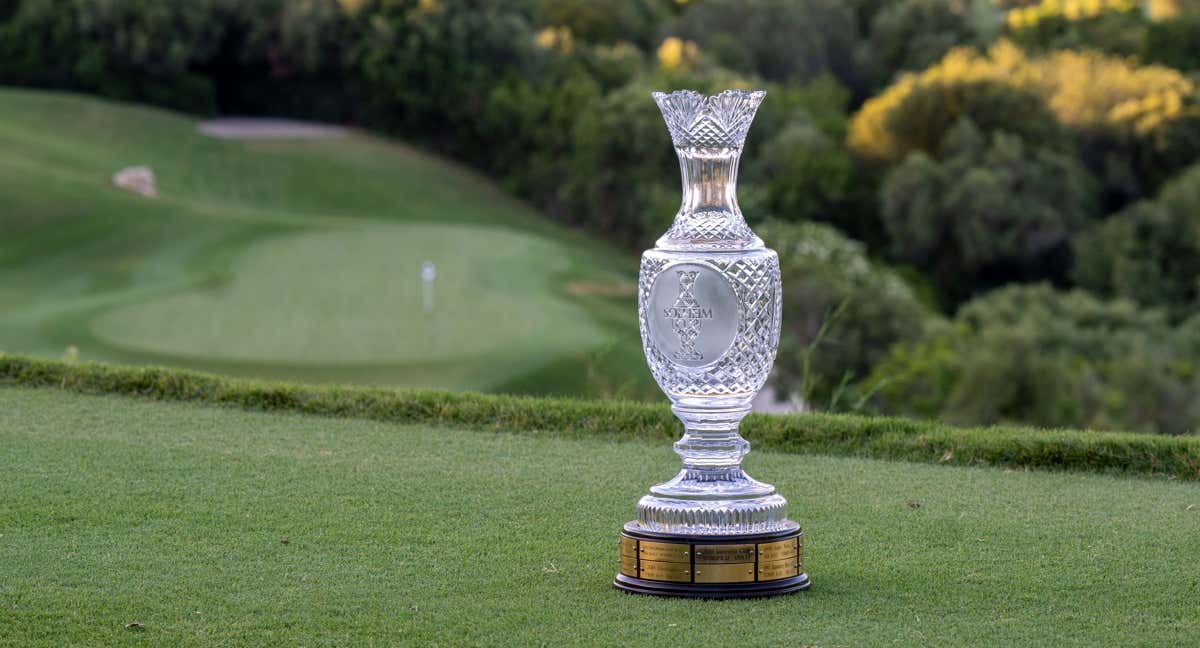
{"points": [[220, 527], [294, 259]]}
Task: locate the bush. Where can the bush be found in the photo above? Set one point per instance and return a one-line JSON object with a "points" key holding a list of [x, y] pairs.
{"points": [[916, 112], [1043, 357], [779, 41], [265, 56], [992, 210], [117, 49], [1174, 42], [1135, 125], [427, 69], [824, 274], [1150, 252], [913, 34], [808, 175], [607, 21], [1111, 26]]}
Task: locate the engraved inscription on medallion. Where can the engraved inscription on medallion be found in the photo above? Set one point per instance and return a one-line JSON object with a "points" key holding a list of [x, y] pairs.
{"points": [[693, 314]]}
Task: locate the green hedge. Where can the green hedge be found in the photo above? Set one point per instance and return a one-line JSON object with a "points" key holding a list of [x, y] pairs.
{"points": [[889, 438]]}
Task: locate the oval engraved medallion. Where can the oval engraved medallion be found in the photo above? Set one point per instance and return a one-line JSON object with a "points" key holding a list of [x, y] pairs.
{"points": [[693, 314]]}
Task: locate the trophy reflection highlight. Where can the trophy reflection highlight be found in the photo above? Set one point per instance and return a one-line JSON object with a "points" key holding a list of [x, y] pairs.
{"points": [[709, 313]]}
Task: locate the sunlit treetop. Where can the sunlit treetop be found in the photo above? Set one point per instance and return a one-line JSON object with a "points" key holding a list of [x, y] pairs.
{"points": [[1027, 17], [1083, 90], [676, 53]]}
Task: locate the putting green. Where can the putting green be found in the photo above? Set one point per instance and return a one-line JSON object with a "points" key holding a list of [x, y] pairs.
{"points": [[355, 296], [220, 527], [297, 260]]}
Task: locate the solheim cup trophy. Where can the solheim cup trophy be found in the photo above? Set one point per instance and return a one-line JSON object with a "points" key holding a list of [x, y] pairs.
{"points": [[709, 312]]}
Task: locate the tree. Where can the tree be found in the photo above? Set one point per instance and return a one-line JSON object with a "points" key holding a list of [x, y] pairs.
{"points": [[992, 210], [780, 41], [913, 34], [829, 283], [1150, 252], [1037, 356], [1111, 26]]}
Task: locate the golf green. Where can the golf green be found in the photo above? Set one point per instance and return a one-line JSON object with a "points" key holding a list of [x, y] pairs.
{"points": [[207, 525], [295, 259]]}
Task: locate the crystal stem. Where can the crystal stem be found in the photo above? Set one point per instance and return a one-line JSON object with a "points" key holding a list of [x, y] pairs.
{"points": [[711, 443]]}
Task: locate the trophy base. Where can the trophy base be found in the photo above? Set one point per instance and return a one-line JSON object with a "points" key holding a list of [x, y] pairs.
{"points": [[712, 566]]}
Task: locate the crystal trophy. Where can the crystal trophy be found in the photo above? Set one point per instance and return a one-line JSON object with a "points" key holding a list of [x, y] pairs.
{"points": [[709, 313]]}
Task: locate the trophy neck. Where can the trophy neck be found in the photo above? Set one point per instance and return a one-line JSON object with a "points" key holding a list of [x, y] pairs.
{"points": [[709, 182], [708, 132], [709, 217]]}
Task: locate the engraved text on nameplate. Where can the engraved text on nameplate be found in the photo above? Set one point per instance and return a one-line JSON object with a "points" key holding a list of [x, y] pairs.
{"points": [[628, 547], [778, 569], [728, 553], [666, 571], [665, 551], [769, 551]]}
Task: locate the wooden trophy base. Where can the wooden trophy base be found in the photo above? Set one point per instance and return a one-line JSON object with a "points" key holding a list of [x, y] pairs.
{"points": [[712, 566]]}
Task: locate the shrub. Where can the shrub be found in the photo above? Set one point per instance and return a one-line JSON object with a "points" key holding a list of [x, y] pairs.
{"points": [[808, 175], [427, 69], [117, 49], [1043, 357], [915, 112], [1112, 26], [607, 21], [1150, 252], [913, 34], [1135, 124], [993, 209], [196, 56], [1174, 42], [797, 41], [826, 273]]}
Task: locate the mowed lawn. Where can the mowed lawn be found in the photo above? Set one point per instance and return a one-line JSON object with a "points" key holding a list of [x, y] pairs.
{"points": [[211, 526], [294, 259]]}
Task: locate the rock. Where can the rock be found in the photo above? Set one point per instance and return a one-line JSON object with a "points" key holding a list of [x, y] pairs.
{"points": [[138, 179]]}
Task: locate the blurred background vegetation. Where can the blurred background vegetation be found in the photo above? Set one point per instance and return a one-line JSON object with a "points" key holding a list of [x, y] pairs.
{"points": [[986, 210]]}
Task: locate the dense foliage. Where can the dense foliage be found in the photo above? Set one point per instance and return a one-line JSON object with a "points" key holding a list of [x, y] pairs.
{"points": [[991, 210], [949, 147], [1150, 252], [1051, 358], [842, 311]]}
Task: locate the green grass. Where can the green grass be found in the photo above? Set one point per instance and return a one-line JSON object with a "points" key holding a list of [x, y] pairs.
{"points": [[212, 526], [891, 438], [293, 260]]}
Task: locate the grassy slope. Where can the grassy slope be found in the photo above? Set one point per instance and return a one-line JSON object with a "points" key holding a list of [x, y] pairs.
{"points": [[173, 515], [292, 260], [892, 438]]}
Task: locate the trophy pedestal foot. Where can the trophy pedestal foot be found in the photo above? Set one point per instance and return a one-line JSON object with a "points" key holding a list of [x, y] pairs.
{"points": [[712, 566]]}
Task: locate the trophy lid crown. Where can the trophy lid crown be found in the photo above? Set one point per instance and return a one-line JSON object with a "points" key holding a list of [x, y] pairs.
{"points": [[709, 121]]}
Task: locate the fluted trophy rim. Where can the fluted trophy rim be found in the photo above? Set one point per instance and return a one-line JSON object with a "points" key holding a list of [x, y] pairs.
{"points": [[736, 92], [697, 120]]}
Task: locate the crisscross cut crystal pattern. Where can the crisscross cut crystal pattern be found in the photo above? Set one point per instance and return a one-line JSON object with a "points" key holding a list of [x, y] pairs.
{"points": [[709, 312]]}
